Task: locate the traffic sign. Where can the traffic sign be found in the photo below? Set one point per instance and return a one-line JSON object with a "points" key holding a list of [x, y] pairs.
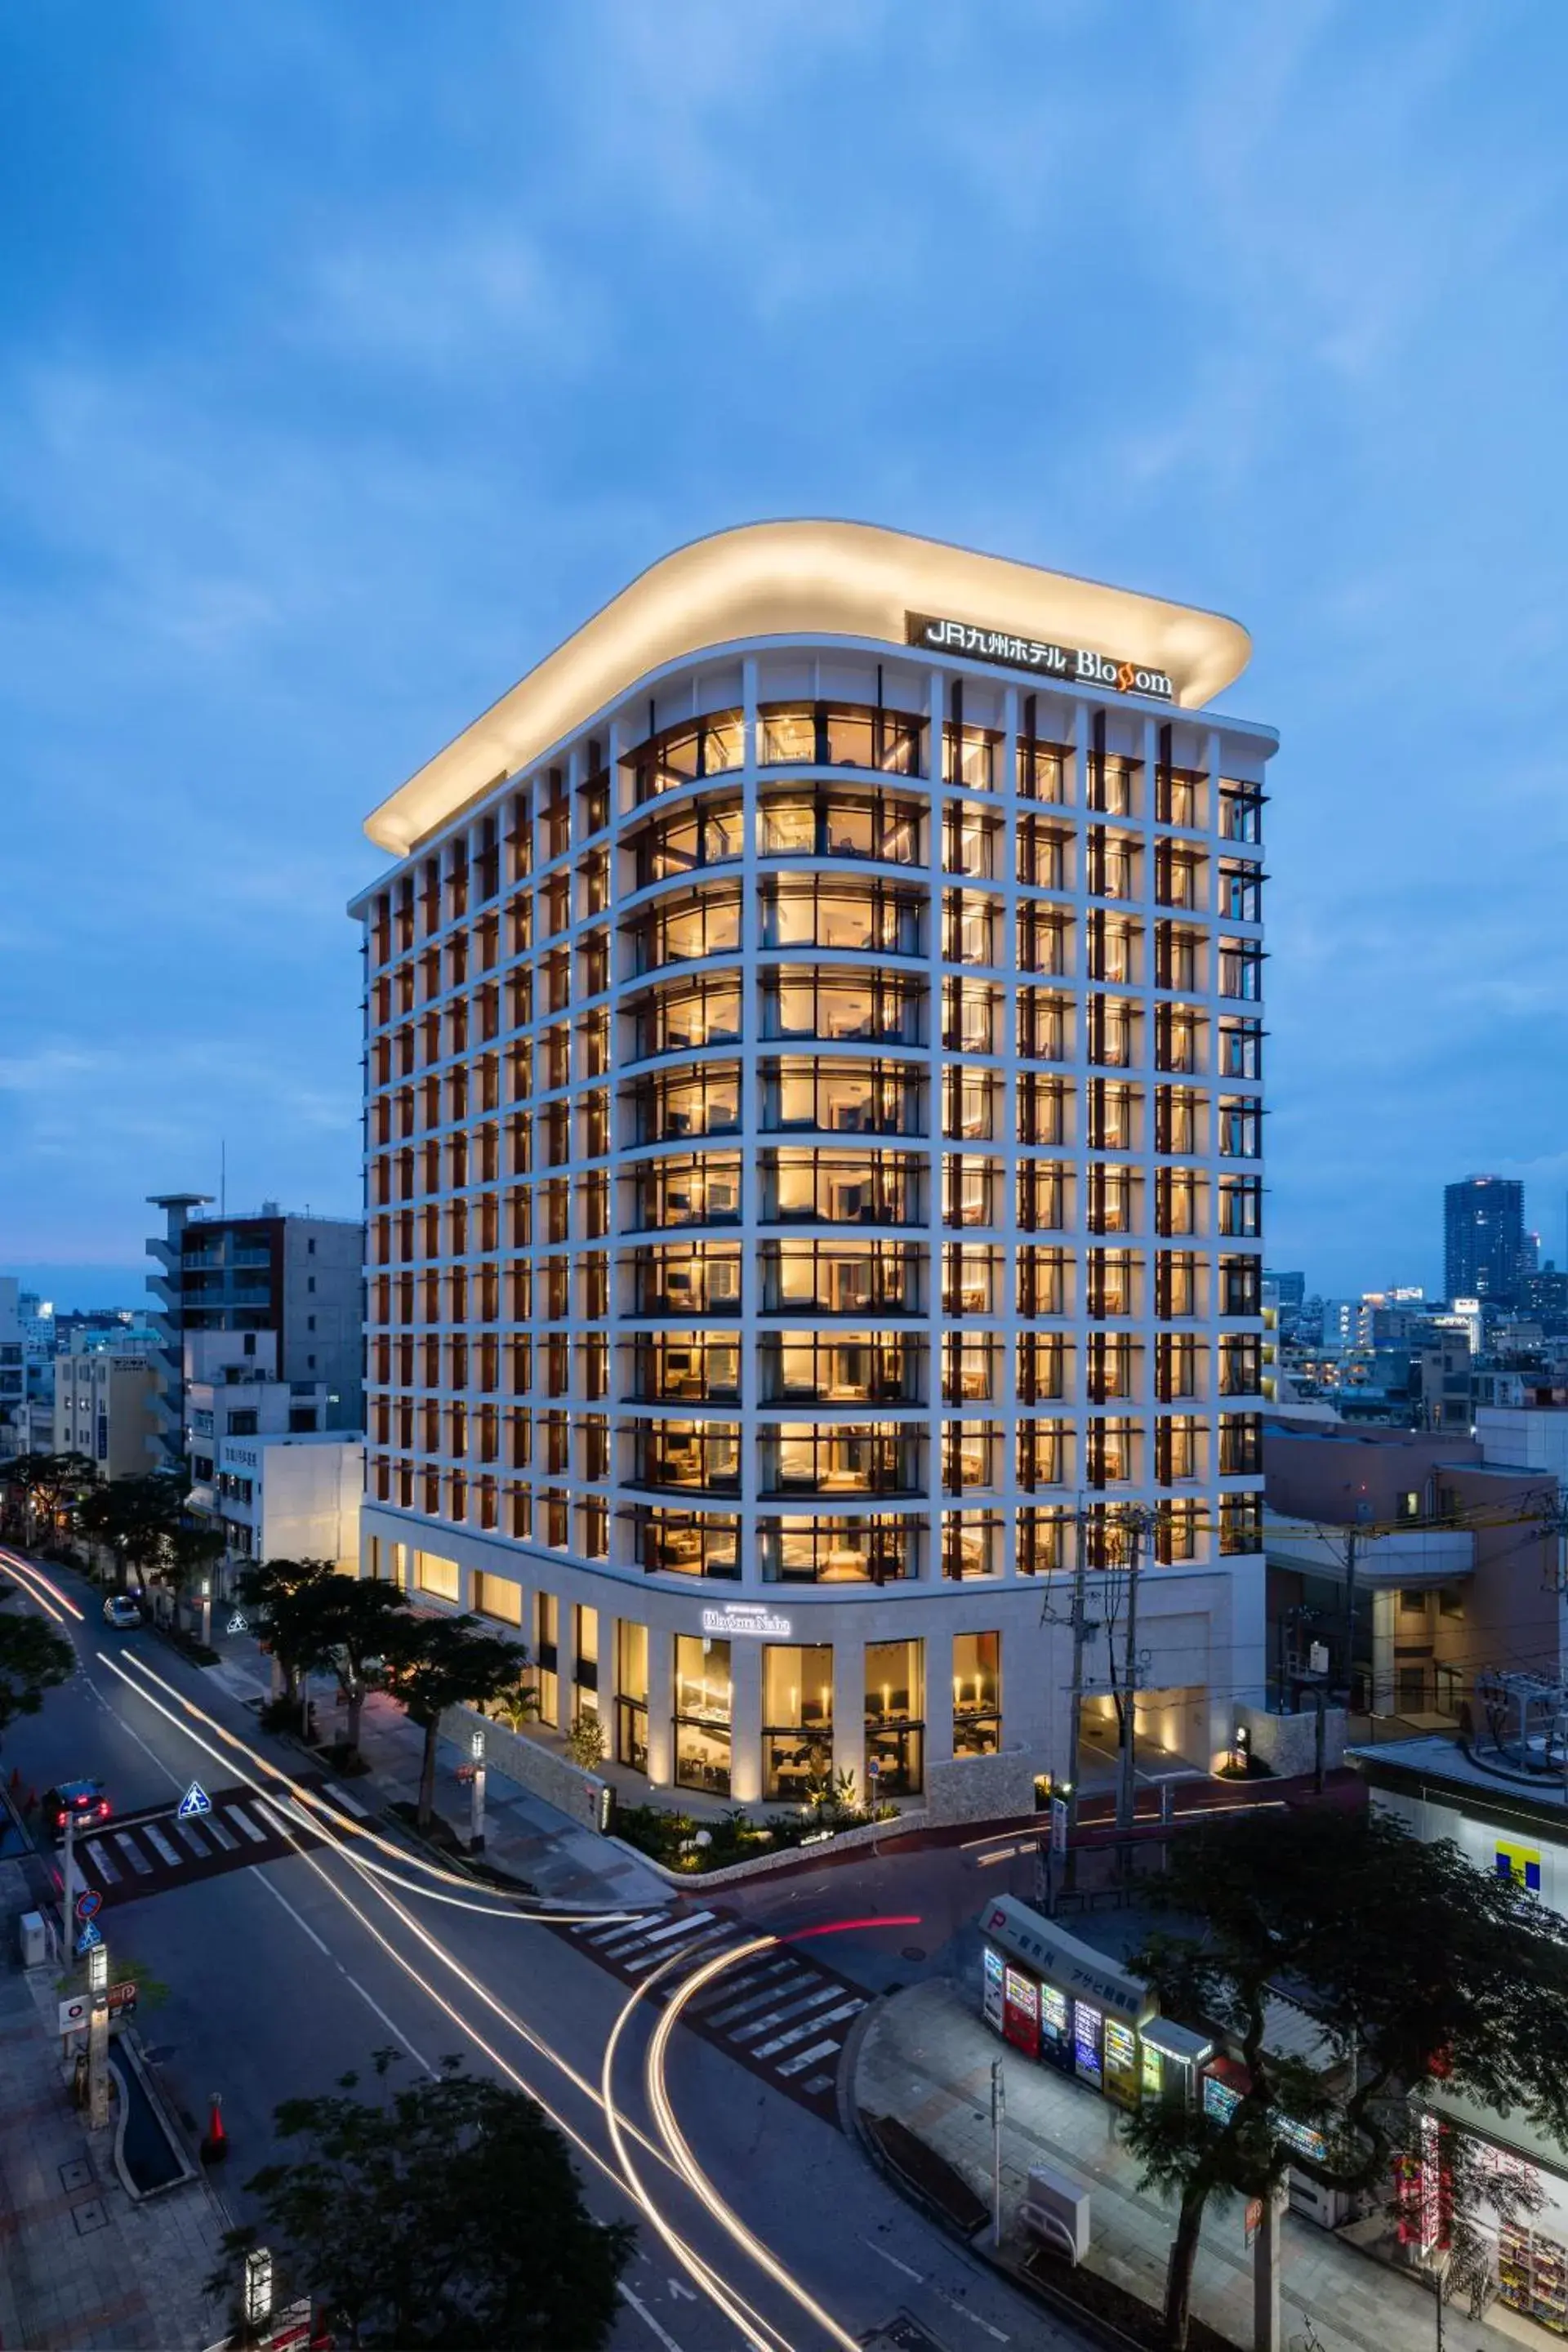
{"points": [[239, 1622], [194, 1801], [89, 1903], [88, 1937]]}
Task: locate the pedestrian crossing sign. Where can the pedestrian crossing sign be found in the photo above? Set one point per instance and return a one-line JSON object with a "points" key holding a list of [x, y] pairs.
{"points": [[90, 1939], [194, 1801]]}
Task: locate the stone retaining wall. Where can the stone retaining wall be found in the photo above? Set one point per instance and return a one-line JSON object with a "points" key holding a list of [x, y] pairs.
{"points": [[981, 1788], [539, 1770], [1288, 1743]]}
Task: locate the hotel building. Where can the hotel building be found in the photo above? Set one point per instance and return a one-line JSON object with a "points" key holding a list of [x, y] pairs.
{"points": [[814, 1111]]}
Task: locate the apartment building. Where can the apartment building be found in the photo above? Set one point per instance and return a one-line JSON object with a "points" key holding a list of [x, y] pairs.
{"points": [[813, 1114]]}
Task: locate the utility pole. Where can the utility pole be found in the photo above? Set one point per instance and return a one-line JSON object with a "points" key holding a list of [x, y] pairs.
{"points": [[1350, 1614], [999, 2109], [68, 1899], [1127, 1781]]}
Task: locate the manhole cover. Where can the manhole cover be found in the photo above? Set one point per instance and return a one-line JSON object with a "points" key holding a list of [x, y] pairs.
{"points": [[89, 2215], [913, 1952], [76, 2175]]}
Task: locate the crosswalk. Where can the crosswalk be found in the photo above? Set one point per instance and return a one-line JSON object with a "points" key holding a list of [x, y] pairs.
{"points": [[148, 1854], [782, 2014]]}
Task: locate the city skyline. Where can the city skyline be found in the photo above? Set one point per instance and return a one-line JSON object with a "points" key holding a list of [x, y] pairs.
{"points": [[275, 534]]}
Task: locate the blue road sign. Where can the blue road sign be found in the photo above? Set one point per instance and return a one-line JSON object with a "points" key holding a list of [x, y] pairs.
{"points": [[239, 1622], [89, 1903], [90, 1935], [194, 1801]]}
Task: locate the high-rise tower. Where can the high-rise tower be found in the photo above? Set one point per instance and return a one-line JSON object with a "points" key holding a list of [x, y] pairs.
{"points": [[813, 1163]]}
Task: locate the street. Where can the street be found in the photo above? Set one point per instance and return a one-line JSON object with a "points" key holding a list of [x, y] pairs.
{"points": [[284, 1974]]}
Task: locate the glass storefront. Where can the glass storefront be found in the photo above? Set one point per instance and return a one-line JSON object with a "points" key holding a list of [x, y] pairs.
{"points": [[631, 1694], [703, 1711], [797, 1719], [894, 1719], [977, 1694]]}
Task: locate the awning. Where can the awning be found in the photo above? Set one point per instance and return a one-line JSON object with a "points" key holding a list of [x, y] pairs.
{"points": [[1073, 1968]]}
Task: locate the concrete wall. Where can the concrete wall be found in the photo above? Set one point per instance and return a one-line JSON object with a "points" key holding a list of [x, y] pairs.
{"points": [[308, 1501]]}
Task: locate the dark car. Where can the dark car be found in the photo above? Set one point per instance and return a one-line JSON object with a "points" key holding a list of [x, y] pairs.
{"points": [[83, 1802]]}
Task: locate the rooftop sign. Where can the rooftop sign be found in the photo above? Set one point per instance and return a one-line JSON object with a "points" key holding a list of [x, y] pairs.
{"points": [[1071, 664]]}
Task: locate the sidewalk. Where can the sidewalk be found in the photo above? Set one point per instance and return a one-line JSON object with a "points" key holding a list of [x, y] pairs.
{"points": [[83, 2264], [560, 1860], [926, 2059]]}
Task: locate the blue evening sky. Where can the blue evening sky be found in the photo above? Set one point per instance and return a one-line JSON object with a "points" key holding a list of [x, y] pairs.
{"points": [[350, 355]]}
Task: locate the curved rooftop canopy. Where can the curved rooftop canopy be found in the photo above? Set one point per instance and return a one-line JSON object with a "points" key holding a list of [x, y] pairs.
{"points": [[802, 579]]}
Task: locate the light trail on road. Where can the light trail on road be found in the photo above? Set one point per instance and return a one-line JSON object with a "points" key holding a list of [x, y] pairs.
{"points": [[758, 2331], [26, 1572], [309, 1799]]}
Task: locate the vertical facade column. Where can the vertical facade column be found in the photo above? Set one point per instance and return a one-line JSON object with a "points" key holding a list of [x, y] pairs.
{"points": [[850, 1707], [745, 1721], [660, 1707], [935, 1321], [1004, 1305], [937, 1692], [566, 1661], [750, 1171]]}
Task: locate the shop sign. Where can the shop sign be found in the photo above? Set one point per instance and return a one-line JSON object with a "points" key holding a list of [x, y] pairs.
{"points": [[749, 1618], [1071, 664], [1070, 1964], [1519, 1862]]}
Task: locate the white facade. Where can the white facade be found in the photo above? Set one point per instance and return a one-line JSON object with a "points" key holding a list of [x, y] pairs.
{"points": [[283, 1497], [813, 1180]]}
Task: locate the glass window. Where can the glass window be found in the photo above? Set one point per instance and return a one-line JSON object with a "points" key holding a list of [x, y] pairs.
{"points": [[498, 1597], [977, 1694], [895, 1718], [687, 1543], [703, 1712], [797, 1719], [833, 1551], [431, 1573], [631, 1694]]}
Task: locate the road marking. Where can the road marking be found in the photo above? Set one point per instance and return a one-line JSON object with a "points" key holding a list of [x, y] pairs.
{"points": [[188, 1835], [645, 2315], [374, 2006], [133, 1854], [102, 1862], [808, 2058], [799, 2033], [676, 2286], [897, 2265], [160, 1844], [216, 1828], [238, 1814], [794, 2006], [351, 1804]]}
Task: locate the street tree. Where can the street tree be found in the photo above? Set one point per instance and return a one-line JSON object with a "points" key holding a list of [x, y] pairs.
{"points": [[189, 1552], [134, 1518], [1423, 1969], [344, 1623], [441, 2216], [283, 1592], [34, 1658], [434, 1663], [38, 1485]]}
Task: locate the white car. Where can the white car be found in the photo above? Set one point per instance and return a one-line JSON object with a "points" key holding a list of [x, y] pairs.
{"points": [[122, 1611]]}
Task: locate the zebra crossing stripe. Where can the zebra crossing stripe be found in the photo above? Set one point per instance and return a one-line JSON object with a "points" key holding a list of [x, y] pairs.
{"points": [[188, 1835], [160, 1844], [806, 2058], [789, 2007], [784, 1968], [133, 1854], [679, 1927], [238, 1814], [102, 1862], [812, 2025]]}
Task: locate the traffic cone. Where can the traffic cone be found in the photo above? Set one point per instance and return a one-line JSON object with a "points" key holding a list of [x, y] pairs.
{"points": [[215, 2147]]}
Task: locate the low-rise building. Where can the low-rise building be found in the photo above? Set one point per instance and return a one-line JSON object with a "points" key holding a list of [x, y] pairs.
{"points": [[291, 1497], [1445, 1555], [105, 1407]]}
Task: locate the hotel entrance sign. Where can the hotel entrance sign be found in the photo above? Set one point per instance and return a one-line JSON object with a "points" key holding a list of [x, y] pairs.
{"points": [[745, 1617], [1071, 664]]}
